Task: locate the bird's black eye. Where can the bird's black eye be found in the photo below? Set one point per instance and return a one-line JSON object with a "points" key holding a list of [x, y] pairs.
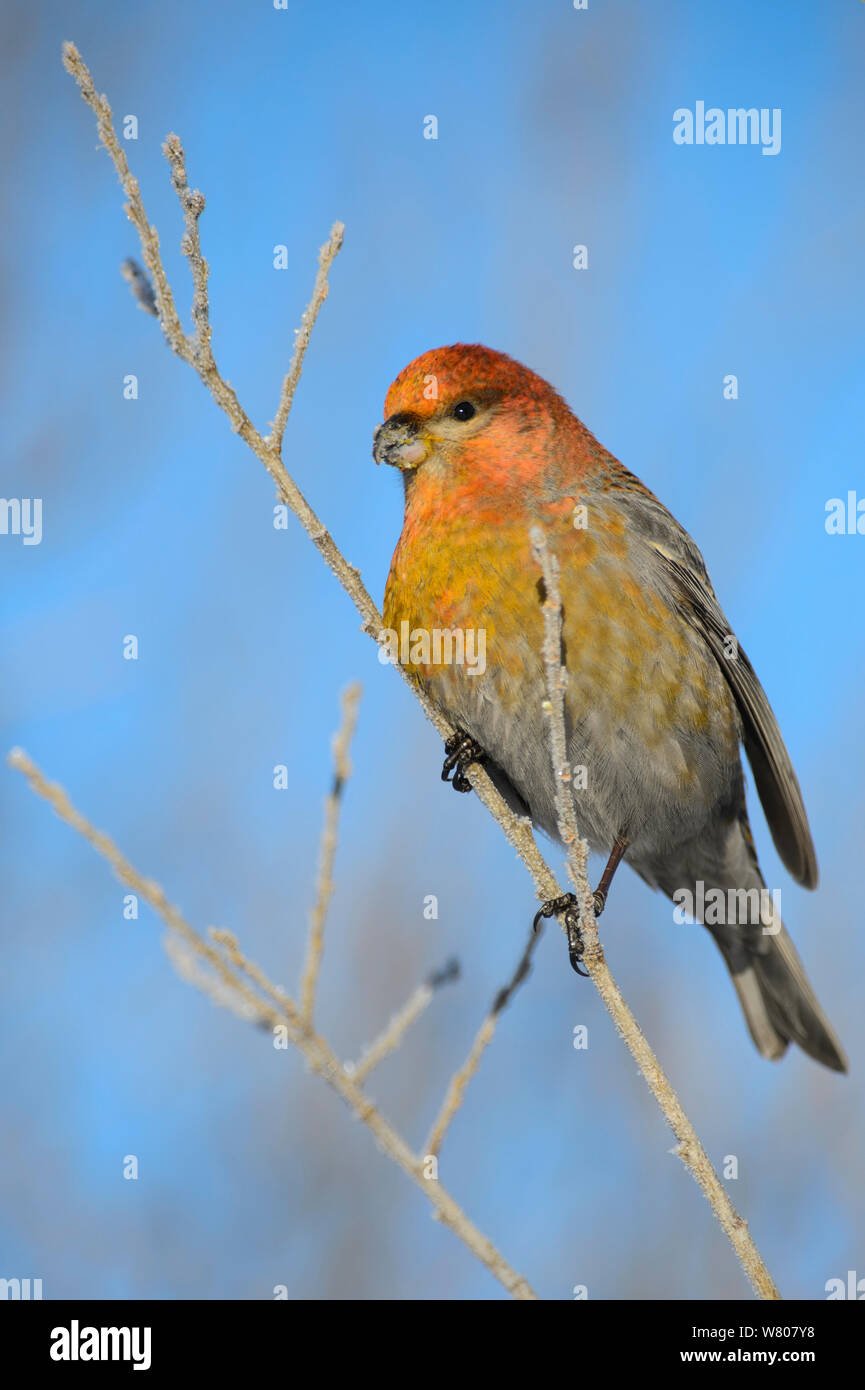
{"points": [[464, 410]]}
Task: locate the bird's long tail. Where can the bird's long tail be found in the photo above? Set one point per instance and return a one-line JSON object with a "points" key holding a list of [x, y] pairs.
{"points": [[731, 900], [777, 1000]]}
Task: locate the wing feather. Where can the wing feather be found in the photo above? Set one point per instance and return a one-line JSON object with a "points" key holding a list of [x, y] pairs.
{"points": [[776, 782], [775, 779]]}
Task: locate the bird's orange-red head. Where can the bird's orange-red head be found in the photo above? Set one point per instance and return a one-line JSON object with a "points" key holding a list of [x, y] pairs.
{"points": [[468, 410], [440, 376]]}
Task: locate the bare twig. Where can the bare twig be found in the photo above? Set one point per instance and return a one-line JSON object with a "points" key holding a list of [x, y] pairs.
{"points": [[192, 203], [392, 1035], [688, 1146], [199, 972], [74, 64], [456, 1092], [249, 982], [341, 772], [326, 257]]}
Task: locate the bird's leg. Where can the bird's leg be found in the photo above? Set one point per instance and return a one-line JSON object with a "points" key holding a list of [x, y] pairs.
{"points": [[461, 750], [603, 888], [566, 904]]}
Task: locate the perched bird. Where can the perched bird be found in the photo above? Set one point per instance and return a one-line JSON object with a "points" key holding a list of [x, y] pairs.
{"points": [[659, 695]]}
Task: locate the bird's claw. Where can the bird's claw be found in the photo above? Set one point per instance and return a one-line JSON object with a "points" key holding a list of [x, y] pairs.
{"points": [[460, 750], [566, 904]]}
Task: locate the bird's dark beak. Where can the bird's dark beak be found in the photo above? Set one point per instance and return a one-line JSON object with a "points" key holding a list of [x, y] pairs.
{"points": [[401, 441]]}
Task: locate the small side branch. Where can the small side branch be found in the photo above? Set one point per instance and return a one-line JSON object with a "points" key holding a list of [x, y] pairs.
{"points": [[327, 853], [195, 970], [192, 205], [326, 257], [456, 1092], [392, 1035]]}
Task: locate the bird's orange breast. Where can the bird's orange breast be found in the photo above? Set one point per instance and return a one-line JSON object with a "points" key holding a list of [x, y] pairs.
{"points": [[630, 658]]}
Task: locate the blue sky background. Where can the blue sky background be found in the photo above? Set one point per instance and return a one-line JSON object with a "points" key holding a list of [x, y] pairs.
{"points": [[555, 128]]}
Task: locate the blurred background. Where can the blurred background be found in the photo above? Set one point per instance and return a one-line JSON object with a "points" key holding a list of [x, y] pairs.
{"points": [[554, 129]]}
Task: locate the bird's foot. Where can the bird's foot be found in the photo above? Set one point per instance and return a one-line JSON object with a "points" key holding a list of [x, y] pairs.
{"points": [[461, 750], [566, 904]]}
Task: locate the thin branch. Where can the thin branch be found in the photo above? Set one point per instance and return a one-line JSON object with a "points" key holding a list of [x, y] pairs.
{"points": [[192, 203], [393, 1033], [171, 327], [274, 1006], [327, 853], [456, 1092], [688, 1146], [198, 972], [326, 257]]}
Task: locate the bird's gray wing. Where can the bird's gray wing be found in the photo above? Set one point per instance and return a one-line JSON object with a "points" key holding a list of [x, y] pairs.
{"points": [[776, 782]]}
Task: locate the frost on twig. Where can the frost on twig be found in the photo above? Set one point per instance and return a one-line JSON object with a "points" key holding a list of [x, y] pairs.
{"points": [[319, 294], [192, 204], [327, 854], [191, 968], [391, 1036]]}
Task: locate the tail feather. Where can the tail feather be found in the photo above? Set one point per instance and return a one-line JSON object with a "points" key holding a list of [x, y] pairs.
{"points": [[777, 1000], [767, 1039]]}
